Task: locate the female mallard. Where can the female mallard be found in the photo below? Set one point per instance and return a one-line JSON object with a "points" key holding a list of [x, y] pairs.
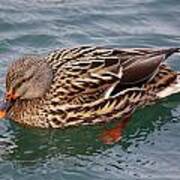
{"points": [[86, 85]]}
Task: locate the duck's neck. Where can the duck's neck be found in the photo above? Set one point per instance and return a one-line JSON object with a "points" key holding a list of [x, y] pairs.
{"points": [[27, 112]]}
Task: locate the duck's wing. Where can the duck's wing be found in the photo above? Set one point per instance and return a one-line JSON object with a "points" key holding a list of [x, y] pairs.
{"points": [[94, 71], [86, 74], [140, 68]]}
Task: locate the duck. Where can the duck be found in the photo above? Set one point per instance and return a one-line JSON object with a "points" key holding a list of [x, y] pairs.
{"points": [[86, 85]]}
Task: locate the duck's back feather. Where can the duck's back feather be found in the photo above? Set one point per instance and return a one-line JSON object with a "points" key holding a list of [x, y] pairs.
{"points": [[82, 72]]}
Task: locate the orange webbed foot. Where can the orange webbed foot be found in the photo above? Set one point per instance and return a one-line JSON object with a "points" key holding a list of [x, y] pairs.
{"points": [[113, 135]]}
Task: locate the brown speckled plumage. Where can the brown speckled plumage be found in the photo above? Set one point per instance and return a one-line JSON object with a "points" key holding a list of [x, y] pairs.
{"points": [[87, 85]]}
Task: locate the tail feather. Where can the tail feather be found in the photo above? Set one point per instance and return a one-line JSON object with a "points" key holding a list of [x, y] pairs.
{"points": [[174, 88], [167, 52]]}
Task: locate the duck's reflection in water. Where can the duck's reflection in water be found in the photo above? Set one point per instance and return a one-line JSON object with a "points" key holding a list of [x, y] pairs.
{"points": [[29, 146]]}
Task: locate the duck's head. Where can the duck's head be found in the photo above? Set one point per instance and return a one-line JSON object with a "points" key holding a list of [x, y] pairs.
{"points": [[27, 78]]}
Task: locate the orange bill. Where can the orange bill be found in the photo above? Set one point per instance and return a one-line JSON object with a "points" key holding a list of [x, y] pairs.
{"points": [[2, 114], [4, 106]]}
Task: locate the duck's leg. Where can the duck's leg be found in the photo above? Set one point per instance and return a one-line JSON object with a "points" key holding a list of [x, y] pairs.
{"points": [[113, 135]]}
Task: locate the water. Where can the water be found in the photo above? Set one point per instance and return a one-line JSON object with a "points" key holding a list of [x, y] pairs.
{"points": [[150, 148]]}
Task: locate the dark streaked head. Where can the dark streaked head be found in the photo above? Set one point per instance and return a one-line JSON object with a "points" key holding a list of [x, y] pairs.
{"points": [[27, 78]]}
